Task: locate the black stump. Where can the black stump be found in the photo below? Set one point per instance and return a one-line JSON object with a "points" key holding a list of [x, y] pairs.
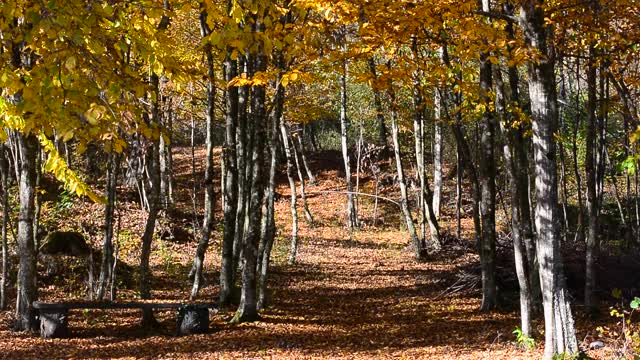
{"points": [[192, 319], [53, 323]]}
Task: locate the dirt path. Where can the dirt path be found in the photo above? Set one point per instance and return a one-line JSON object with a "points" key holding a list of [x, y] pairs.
{"points": [[351, 295]]}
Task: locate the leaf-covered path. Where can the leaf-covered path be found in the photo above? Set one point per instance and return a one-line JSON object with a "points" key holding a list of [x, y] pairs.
{"points": [[357, 295], [350, 295]]}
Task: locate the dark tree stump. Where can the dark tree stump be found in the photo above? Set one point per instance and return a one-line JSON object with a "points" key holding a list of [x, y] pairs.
{"points": [[53, 324], [192, 319]]}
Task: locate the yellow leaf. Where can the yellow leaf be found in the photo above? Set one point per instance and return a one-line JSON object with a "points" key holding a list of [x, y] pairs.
{"points": [[70, 64]]}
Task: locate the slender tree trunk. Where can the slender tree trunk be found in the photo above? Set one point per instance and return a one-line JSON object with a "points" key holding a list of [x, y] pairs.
{"points": [[298, 150], [303, 156], [243, 144], [230, 183], [592, 188], [404, 199], [37, 201], [487, 172], [352, 214], [27, 274], [209, 196], [458, 192], [268, 230], [293, 249], [511, 137], [576, 169], [427, 211], [382, 129], [4, 178], [153, 173], [559, 326], [437, 155], [113, 168]]}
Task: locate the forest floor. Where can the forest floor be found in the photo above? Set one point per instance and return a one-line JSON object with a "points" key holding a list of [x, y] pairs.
{"points": [[350, 295]]}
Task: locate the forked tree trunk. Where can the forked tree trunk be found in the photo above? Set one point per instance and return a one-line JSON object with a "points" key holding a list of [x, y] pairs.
{"points": [[248, 307], [559, 326]]}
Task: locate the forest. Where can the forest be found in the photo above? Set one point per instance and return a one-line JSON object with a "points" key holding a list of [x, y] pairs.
{"points": [[306, 179]]}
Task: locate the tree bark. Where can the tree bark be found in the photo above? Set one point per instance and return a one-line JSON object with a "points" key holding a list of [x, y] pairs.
{"points": [[559, 326], [153, 195], [293, 248], [106, 265], [404, 199], [487, 172], [4, 178], [230, 183], [248, 308], [352, 214], [592, 191], [268, 230], [511, 138], [377, 101], [297, 153], [437, 155], [209, 195], [27, 274]]}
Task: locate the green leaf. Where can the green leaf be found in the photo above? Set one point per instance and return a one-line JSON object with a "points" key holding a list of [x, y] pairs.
{"points": [[635, 303]]}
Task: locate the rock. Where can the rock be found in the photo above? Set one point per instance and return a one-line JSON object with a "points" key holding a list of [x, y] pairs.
{"points": [[53, 324], [596, 345], [193, 319], [70, 243]]}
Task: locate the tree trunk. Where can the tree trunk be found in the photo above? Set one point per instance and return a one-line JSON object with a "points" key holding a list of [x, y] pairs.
{"points": [[243, 165], [592, 196], [487, 172], [352, 213], [303, 156], [298, 150], [27, 274], [437, 155], [404, 199], [559, 326], [382, 129], [4, 178], [209, 195], [579, 237], [153, 195], [268, 230], [106, 265], [230, 183], [293, 249], [511, 137], [248, 308]]}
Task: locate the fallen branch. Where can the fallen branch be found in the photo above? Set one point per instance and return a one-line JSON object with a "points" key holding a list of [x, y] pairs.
{"points": [[354, 193]]}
